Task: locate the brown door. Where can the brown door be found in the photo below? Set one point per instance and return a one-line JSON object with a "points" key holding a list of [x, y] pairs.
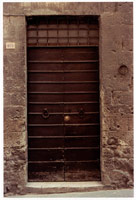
{"points": [[63, 104]]}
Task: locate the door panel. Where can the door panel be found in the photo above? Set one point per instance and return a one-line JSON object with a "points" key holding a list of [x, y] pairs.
{"points": [[81, 154], [46, 142], [82, 141], [41, 87], [63, 99], [39, 119], [46, 154], [82, 130], [41, 130]]}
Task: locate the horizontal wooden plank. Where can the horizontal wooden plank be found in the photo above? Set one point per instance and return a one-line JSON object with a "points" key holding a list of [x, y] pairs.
{"points": [[80, 56], [83, 130], [53, 167], [63, 103], [41, 107], [63, 98], [93, 107], [45, 176], [82, 87], [39, 119], [45, 142], [44, 54], [62, 61], [65, 50], [56, 125], [81, 154], [65, 93], [61, 66], [62, 71], [88, 118], [46, 155], [93, 175], [43, 87], [61, 131], [82, 142], [54, 118], [82, 166], [40, 76], [46, 131], [64, 113], [63, 142], [80, 50], [45, 98], [53, 137]]}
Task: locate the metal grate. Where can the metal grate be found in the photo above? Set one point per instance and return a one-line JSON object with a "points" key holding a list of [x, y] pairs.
{"points": [[63, 31]]}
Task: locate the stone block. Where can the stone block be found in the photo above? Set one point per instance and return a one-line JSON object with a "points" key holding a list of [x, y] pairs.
{"points": [[15, 169], [126, 19], [107, 153], [109, 7], [14, 126], [130, 124], [106, 96], [16, 74], [118, 109], [115, 123], [112, 43], [19, 154], [120, 178], [122, 97], [14, 28], [109, 19], [16, 85], [117, 138], [123, 164], [123, 151], [126, 34], [13, 57], [13, 113], [73, 8], [13, 8], [117, 82], [108, 58], [126, 58], [124, 7], [15, 99], [127, 44]]}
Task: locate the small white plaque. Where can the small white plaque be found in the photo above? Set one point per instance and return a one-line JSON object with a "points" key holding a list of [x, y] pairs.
{"points": [[10, 45]]}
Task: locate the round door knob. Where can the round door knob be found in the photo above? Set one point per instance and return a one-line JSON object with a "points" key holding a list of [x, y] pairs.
{"points": [[66, 118]]}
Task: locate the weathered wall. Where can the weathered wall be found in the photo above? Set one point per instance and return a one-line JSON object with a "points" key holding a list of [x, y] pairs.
{"points": [[116, 49]]}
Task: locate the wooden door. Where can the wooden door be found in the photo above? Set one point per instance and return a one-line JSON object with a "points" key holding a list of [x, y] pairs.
{"points": [[63, 112]]}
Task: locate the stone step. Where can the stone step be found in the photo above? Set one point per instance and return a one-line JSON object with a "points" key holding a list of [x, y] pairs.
{"points": [[61, 187]]}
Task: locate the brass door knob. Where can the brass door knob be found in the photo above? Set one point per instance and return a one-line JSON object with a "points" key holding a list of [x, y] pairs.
{"points": [[66, 118]]}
